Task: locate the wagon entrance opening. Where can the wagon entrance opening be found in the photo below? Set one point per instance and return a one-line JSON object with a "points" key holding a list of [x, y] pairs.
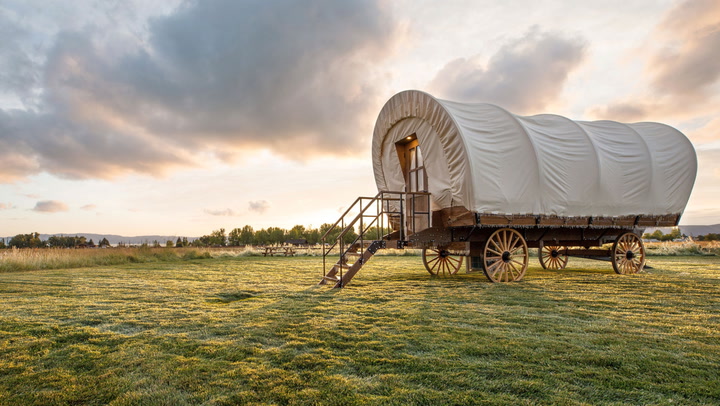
{"points": [[416, 207]]}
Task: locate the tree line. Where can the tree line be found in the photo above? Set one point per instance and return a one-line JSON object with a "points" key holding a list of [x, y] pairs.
{"points": [[277, 236], [33, 240], [241, 236]]}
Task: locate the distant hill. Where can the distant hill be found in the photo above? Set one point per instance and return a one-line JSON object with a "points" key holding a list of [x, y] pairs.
{"points": [[692, 231], [116, 239]]}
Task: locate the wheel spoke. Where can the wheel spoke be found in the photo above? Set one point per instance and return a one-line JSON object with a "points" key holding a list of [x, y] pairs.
{"points": [[443, 266], [494, 252], [453, 259], [496, 246], [494, 265], [511, 242], [516, 273], [432, 268]]}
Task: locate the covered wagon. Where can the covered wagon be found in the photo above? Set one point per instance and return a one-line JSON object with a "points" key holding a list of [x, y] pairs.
{"points": [[474, 182]]}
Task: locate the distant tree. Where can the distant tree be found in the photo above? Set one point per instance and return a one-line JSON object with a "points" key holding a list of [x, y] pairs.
{"points": [[709, 237], [31, 240], [218, 237], [91, 243], [276, 235], [673, 235], [185, 242], [247, 235], [2, 243], [234, 237], [313, 236], [262, 237], [169, 244], [297, 232], [658, 235], [104, 243], [178, 243], [204, 241], [332, 236], [156, 244]]}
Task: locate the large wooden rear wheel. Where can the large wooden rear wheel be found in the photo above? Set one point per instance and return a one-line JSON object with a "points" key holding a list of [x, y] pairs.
{"points": [[628, 254], [552, 257], [505, 257], [441, 262]]}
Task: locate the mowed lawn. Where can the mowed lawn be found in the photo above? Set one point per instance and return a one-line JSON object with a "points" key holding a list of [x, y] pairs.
{"points": [[253, 330]]}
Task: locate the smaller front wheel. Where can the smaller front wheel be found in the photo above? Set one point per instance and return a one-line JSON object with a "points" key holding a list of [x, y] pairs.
{"points": [[505, 257], [552, 257], [441, 262], [628, 254]]}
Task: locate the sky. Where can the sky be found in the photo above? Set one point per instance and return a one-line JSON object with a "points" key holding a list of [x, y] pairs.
{"points": [[182, 117]]}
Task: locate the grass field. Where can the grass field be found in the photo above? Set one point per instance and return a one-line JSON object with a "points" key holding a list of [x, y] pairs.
{"points": [[254, 330]]}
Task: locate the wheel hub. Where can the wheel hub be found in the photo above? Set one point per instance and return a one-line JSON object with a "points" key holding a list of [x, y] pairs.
{"points": [[554, 253], [629, 255], [506, 256]]}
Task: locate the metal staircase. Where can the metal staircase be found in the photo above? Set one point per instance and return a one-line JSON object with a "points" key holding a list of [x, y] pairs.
{"points": [[380, 222]]}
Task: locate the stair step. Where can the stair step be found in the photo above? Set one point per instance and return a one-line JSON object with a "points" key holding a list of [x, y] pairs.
{"points": [[331, 278]]}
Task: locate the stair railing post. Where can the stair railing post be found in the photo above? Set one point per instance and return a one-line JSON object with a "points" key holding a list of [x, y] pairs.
{"points": [[362, 216], [402, 217]]}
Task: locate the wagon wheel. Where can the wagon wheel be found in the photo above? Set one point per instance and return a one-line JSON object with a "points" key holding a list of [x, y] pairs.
{"points": [[628, 254], [505, 256], [441, 262], [552, 256]]}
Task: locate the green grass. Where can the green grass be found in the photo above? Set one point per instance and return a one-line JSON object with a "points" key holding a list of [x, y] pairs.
{"points": [[254, 330]]}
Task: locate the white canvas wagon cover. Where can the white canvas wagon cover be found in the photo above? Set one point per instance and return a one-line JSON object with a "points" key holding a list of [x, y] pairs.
{"points": [[481, 157]]}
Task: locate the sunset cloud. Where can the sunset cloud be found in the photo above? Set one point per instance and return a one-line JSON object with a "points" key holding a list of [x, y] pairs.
{"points": [[219, 77], [50, 206], [6, 206], [682, 67], [525, 75], [259, 206], [224, 212], [88, 207]]}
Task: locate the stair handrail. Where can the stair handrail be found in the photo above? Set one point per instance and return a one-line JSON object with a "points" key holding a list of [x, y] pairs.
{"points": [[350, 225], [379, 202]]}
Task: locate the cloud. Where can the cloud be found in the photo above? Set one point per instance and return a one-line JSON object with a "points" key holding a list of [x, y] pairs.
{"points": [[225, 212], [689, 63], [89, 207], [682, 67], [219, 77], [6, 206], [50, 206], [259, 206], [708, 133], [19, 72], [524, 75]]}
